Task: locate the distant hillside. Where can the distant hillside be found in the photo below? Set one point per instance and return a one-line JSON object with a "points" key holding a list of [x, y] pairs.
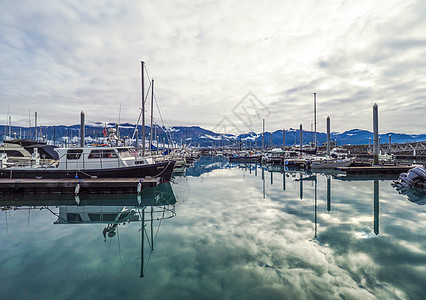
{"points": [[197, 136]]}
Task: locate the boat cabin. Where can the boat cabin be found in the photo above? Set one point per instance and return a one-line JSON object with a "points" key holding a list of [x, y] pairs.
{"points": [[81, 158]]}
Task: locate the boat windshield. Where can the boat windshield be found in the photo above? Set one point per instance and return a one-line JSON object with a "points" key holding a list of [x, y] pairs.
{"points": [[124, 152], [74, 153], [102, 153]]}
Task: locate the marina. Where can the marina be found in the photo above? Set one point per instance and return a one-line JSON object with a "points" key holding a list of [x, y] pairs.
{"points": [[212, 150], [199, 235]]}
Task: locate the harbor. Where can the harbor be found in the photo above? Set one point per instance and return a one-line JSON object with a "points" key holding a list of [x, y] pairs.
{"points": [[296, 218], [212, 150]]}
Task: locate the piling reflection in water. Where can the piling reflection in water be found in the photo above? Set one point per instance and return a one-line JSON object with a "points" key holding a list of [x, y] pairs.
{"points": [[376, 207], [234, 234], [303, 176]]}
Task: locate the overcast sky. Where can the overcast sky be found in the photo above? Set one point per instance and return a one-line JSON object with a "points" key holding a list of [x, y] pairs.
{"points": [[61, 57]]}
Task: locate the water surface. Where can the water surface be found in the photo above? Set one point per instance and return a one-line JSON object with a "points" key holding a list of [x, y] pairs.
{"points": [[220, 232]]}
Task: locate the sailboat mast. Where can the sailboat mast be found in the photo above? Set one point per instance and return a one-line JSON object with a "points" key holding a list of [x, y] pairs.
{"points": [[152, 112], [143, 108]]}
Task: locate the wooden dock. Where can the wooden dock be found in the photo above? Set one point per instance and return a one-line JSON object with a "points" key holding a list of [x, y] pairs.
{"points": [[376, 170], [76, 186]]}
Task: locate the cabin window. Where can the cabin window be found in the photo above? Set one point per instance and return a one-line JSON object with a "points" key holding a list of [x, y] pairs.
{"points": [[95, 217], [74, 218], [99, 153], [74, 153], [109, 217], [124, 152], [14, 153]]}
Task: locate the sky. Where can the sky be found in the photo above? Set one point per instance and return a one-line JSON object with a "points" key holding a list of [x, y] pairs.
{"points": [[222, 65]]}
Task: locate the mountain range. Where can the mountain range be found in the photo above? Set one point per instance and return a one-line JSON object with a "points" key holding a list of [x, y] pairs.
{"points": [[197, 136]]}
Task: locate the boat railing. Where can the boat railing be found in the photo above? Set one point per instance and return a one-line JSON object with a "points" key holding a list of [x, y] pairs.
{"points": [[100, 160]]}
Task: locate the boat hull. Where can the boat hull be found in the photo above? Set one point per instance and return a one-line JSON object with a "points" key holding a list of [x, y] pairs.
{"points": [[245, 159], [331, 164], [163, 170]]}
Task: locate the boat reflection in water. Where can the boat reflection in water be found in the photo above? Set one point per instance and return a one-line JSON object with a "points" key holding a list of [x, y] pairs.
{"points": [[151, 206]]}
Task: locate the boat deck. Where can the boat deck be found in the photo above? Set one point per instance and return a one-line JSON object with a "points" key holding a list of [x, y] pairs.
{"points": [[69, 186]]}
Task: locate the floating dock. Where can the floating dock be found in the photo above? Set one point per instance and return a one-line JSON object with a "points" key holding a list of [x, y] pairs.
{"points": [[376, 170], [76, 186]]}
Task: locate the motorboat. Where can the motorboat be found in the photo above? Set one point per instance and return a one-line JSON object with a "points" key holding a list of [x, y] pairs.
{"points": [[21, 152], [245, 156], [339, 152], [279, 156], [94, 162]]}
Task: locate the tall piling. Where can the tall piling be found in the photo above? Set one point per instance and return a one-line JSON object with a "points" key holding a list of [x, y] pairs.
{"points": [[283, 139], [82, 132], [376, 133], [263, 134], [301, 137], [35, 125], [315, 120], [390, 143], [328, 136]]}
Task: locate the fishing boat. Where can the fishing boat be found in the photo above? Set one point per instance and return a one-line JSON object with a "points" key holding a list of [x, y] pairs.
{"points": [[94, 162]]}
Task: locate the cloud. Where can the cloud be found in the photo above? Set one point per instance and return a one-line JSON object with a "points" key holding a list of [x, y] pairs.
{"points": [[86, 56]]}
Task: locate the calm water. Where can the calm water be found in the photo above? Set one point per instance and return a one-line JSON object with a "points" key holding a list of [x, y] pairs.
{"points": [[221, 232]]}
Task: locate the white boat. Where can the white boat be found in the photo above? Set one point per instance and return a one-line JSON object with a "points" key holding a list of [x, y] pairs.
{"points": [[339, 152], [23, 152], [93, 162]]}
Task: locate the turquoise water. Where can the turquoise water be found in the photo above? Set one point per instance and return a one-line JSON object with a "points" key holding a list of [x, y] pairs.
{"points": [[220, 232]]}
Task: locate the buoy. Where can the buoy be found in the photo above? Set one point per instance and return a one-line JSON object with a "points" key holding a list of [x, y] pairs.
{"points": [[139, 189], [77, 189]]}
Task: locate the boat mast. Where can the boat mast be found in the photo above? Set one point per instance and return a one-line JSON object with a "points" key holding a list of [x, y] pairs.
{"points": [[143, 109], [152, 113]]}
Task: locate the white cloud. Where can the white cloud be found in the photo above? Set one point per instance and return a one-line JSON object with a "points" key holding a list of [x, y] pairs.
{"points": [[59, 58]]}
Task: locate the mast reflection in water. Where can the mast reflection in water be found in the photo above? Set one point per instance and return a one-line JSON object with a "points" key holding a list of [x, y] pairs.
{"points": [[242, 232], [152, 205]]}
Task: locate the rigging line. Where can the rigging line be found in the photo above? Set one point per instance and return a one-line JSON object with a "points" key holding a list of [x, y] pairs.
{"points": [[158, 227], [147, 93], [55, 214], [161, 117], [147, 74], [132, 89], [140, 114], [147, 262], [137, 123], [146, 234], [118, 239]]}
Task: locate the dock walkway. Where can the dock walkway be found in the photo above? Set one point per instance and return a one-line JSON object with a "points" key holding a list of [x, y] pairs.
{"points": [[376, 170], [69, 186]]}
